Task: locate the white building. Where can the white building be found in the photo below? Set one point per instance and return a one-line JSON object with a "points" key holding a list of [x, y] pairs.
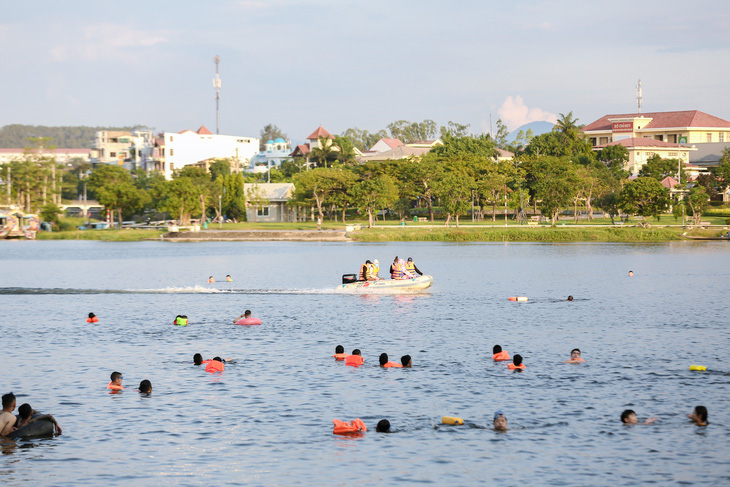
{"points": [[188, 147], [275, 152]]}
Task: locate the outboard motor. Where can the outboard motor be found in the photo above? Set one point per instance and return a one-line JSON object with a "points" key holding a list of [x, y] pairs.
{"points": [[348, 278]]}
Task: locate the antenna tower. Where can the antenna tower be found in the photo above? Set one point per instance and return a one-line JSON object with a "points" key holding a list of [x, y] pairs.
{"points": [[639, 98], [217, 86]]}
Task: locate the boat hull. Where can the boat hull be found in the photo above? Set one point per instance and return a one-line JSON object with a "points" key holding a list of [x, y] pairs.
{"points": [[390, 285]]}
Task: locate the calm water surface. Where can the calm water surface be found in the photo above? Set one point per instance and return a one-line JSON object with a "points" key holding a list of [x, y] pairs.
{"points": [[267, 420]]}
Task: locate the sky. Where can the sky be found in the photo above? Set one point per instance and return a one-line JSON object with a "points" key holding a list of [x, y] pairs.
{"points": [[299, 64]]}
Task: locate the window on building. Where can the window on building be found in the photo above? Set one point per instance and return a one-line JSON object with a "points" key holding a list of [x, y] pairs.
{"points": [[659, 137], [263, 211], [721, 137], [171, 138], [709, 136], [172, 152], [112, 154]]}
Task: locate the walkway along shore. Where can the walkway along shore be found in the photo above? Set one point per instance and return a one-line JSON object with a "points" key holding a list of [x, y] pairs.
{"points": [[255, 235]]}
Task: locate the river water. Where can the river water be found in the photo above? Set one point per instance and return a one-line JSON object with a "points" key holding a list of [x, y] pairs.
{"points": [[267, 420]]}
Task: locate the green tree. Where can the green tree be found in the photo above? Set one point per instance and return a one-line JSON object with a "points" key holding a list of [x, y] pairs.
{"points": [[644, 196], [220, 168], [409, 132], [373, 194], [461, 148], [234, 198], [50, 212], [362, 139], [556, 184], [270, 132], [179, 198], [455, 130], [500, 138], [325, 154], [315, 187], [115, 190], [345, 150], [659, 168], [419, 175], [454, 191], [697, 201], [722, 170]]}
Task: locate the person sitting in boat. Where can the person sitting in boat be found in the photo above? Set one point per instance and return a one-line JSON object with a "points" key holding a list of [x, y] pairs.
{"points": [[375, 271], [365, 271], [398, 270], [411, 267], [27, 415]]}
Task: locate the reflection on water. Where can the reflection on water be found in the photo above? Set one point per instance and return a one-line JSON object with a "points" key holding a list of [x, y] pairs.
{"points": [[267, 419]]}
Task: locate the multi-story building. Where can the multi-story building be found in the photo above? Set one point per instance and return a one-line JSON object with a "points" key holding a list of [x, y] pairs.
{"points": [[111, 147], [275, 152], [187, 147]]}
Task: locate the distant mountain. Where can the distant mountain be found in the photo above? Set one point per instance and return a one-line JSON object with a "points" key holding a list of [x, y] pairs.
{"points": [[18, 136], [537, 129]]}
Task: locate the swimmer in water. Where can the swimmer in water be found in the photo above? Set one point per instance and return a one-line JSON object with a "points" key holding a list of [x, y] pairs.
{"points": [[516, 363], [7, 420], [631, 273], [355, 359], [499, 355], [575, 357], [387, 364], [699, 416], [629, 417], [198, 360], [406, 361], [92, 318], [383, 426], [340, 353], [570, 298], [246, 315], [229, 278], [211, 280], [116, 381], [145, 387], [28, 415], [500, 421]]}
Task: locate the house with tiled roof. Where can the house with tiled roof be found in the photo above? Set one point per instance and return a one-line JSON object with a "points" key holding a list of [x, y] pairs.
{"points": [[276, 196], [384, 145], [641, 149]]}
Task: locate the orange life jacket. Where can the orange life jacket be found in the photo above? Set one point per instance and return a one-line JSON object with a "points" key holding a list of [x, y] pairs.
{"points": [[354, 360], [349, 427], [340, 356], [363, 272], [214, 366], [393, 364], [92, 320], [513, 366], [114, 387], [396, 273], [501, 356], [578, 359]]}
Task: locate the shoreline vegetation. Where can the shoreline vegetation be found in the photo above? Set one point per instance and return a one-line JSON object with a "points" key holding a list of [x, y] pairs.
{"points": [[392, 232]]}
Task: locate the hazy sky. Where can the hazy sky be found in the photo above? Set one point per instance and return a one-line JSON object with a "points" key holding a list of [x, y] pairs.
{"points": [[339, 63]]}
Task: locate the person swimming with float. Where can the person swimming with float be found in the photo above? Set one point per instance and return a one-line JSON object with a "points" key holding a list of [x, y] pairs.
{"points": [[28, 415], [198, 360], [7, 419], [181, 320], [500, 421], [386, 364], [699, 416], [92, 318], [575, 357], [499, 355], [516, 363], [629, 417], [355, 359], [340, 353], [116, 381]]}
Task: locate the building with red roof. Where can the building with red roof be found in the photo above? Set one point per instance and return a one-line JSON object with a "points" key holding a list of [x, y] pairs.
{"points": [[641, 149]]}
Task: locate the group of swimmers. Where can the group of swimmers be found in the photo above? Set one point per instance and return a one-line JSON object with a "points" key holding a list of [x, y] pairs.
{"points": [[211, 279], [115, 385], [26, 416], [355, 359], [399, 269]]}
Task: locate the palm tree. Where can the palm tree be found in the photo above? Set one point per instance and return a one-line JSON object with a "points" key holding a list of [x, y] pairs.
{"points": [[567, 125]]}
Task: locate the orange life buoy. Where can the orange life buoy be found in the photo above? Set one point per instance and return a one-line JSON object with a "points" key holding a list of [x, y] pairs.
{"points": [[349, 427]]}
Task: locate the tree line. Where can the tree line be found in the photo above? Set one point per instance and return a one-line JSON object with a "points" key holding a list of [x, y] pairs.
{"points": [[62, 137]]}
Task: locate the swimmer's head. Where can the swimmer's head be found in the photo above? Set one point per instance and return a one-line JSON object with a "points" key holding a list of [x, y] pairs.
{"points": [[25, 411], [500, 421], [383, 359], [92, 315], [631, 273], [145, 386], [218, 359], [700, 414], [116, 376], [406, 361], [8, 400], [629, 417], [383, 426], [570, 298], [517, 359], [356, 352], [339, 349], [247, 313], [575, 353], [496, 349], [197, 359]]}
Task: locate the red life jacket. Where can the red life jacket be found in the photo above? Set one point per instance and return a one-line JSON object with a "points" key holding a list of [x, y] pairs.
{"points": [[392, 364], [501, 356], [354, 360], [349, 427], [214, 366], [340, 356]]}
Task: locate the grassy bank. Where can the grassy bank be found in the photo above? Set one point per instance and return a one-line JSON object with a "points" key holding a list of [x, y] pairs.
{"points": [[124, 235], [524, 234]]}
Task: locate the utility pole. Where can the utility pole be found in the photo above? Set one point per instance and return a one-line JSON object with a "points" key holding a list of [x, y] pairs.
{"points": [[217, 86]]}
